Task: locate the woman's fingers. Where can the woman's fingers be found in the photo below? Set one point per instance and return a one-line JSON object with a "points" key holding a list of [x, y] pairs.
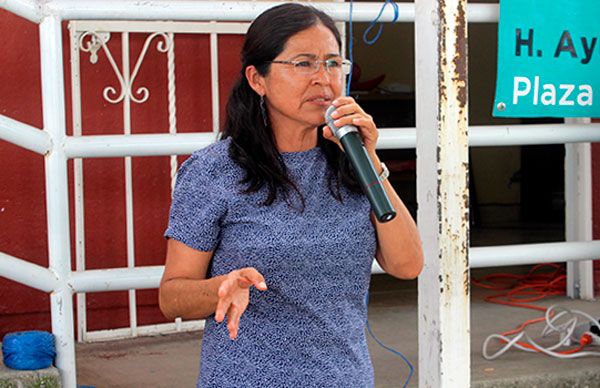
{"points": [[222, 307], [234, 295], [327, 134], [347, 109], [352, 114], [348, 112], [233, 311], [233, 320], [351, 120], [366, 126], [343, 100], [226, 292], [250, 276]]}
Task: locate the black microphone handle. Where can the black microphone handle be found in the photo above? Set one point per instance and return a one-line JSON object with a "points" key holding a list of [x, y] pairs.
{"points": [[367, 176]]}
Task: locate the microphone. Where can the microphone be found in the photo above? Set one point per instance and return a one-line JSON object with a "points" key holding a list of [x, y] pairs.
{"points": [[363, 166]]}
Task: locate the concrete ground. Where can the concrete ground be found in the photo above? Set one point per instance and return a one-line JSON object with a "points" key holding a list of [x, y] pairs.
{"points": [[172, 361]]}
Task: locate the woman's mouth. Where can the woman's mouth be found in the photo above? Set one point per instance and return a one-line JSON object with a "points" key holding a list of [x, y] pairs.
{"points": [[320, 100]]}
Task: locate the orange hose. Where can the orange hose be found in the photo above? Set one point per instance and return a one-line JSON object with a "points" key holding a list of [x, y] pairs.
{"points": [[524, 289]]}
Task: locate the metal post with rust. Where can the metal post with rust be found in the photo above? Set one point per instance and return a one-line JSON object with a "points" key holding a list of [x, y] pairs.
{"points": [[442, 192]]}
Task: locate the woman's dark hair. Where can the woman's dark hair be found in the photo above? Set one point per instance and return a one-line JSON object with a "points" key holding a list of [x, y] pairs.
{"points": [[253, 145]]}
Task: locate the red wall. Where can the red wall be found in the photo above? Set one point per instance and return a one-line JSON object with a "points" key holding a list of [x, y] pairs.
{"points": [[22, 197]]}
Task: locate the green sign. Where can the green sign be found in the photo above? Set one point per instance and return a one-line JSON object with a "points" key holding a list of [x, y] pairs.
{"points": [[548, 59]]}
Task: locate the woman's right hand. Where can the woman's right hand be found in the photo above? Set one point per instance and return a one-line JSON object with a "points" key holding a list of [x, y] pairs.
{"points": [[234, 295]]}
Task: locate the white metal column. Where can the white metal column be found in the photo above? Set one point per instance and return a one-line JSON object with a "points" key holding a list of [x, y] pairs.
{"points": [[442, 192], [578, 213], [57, 200], [78, 183], [129, 216], [214, 77]]}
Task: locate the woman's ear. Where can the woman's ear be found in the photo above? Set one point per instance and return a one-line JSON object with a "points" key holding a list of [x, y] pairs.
{"points": [[255, 80]]}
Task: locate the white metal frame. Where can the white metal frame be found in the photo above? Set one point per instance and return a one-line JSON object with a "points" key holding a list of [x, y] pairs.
{"points": [[445, 248]]}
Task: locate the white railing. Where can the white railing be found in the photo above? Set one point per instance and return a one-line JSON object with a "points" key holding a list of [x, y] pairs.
{"points": [[62, 282], [104, 146]]}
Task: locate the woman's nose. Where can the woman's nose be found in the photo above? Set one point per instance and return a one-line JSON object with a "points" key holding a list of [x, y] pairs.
{"points": [[322, 75]]}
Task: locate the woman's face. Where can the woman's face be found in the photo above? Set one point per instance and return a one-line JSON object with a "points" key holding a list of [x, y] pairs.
{"points": [[295, 99]]}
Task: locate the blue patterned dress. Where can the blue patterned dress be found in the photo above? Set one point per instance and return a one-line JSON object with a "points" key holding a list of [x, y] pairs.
{"points": [[307, 329]]}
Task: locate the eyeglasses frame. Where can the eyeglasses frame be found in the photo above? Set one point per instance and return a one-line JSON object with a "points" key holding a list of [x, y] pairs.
{"points": [[345, 62]]}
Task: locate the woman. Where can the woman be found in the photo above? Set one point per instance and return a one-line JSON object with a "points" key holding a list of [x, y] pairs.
{"points": [[269, 231]]}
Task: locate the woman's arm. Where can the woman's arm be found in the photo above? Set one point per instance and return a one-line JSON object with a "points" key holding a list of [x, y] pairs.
{"points": [[184, 276], [399, 250], [185, 292]]}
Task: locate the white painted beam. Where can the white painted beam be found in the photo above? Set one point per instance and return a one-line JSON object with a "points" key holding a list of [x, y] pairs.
{"points": [[442, 192], [24, 135], [578, 212], [28, 9], [236, 10], [209, 10], [179, 27], [483, 13], [509, 135], [116, 279], [103, 146], [213, 10], [29, 274], [57, 199], [520, 254], [159, 329], [501, 135]]}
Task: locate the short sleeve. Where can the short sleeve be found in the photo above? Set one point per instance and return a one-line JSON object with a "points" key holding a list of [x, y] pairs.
{"points": [[197, 208]]}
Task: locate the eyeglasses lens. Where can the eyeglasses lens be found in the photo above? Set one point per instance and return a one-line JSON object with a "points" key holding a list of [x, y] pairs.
{"points": [[332, 66]]}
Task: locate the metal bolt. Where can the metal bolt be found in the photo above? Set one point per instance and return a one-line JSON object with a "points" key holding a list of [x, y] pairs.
{"points": [[501, 106]]}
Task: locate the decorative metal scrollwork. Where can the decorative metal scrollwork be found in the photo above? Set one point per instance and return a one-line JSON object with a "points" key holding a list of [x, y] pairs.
{"points": [[110, 94]]}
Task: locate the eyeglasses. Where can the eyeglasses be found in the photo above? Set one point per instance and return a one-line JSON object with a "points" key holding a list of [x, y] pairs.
{"points": [[311, 66]]}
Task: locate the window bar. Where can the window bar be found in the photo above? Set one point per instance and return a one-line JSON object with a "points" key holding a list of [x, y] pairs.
{"points": [[172, 101], [57, 196], [214, 75], [172, 122], [578, 212], [78, 183], [129, 182]]}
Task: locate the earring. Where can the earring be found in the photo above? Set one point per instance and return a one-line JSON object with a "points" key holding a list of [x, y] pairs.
{"points": [[263, 111]]}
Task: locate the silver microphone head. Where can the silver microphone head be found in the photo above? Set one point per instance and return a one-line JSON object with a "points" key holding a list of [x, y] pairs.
{"points": [[338, 132], [329, 120]]}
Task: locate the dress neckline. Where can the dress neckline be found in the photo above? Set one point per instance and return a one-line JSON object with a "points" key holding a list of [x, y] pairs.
{"points": [[299, 154]]}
